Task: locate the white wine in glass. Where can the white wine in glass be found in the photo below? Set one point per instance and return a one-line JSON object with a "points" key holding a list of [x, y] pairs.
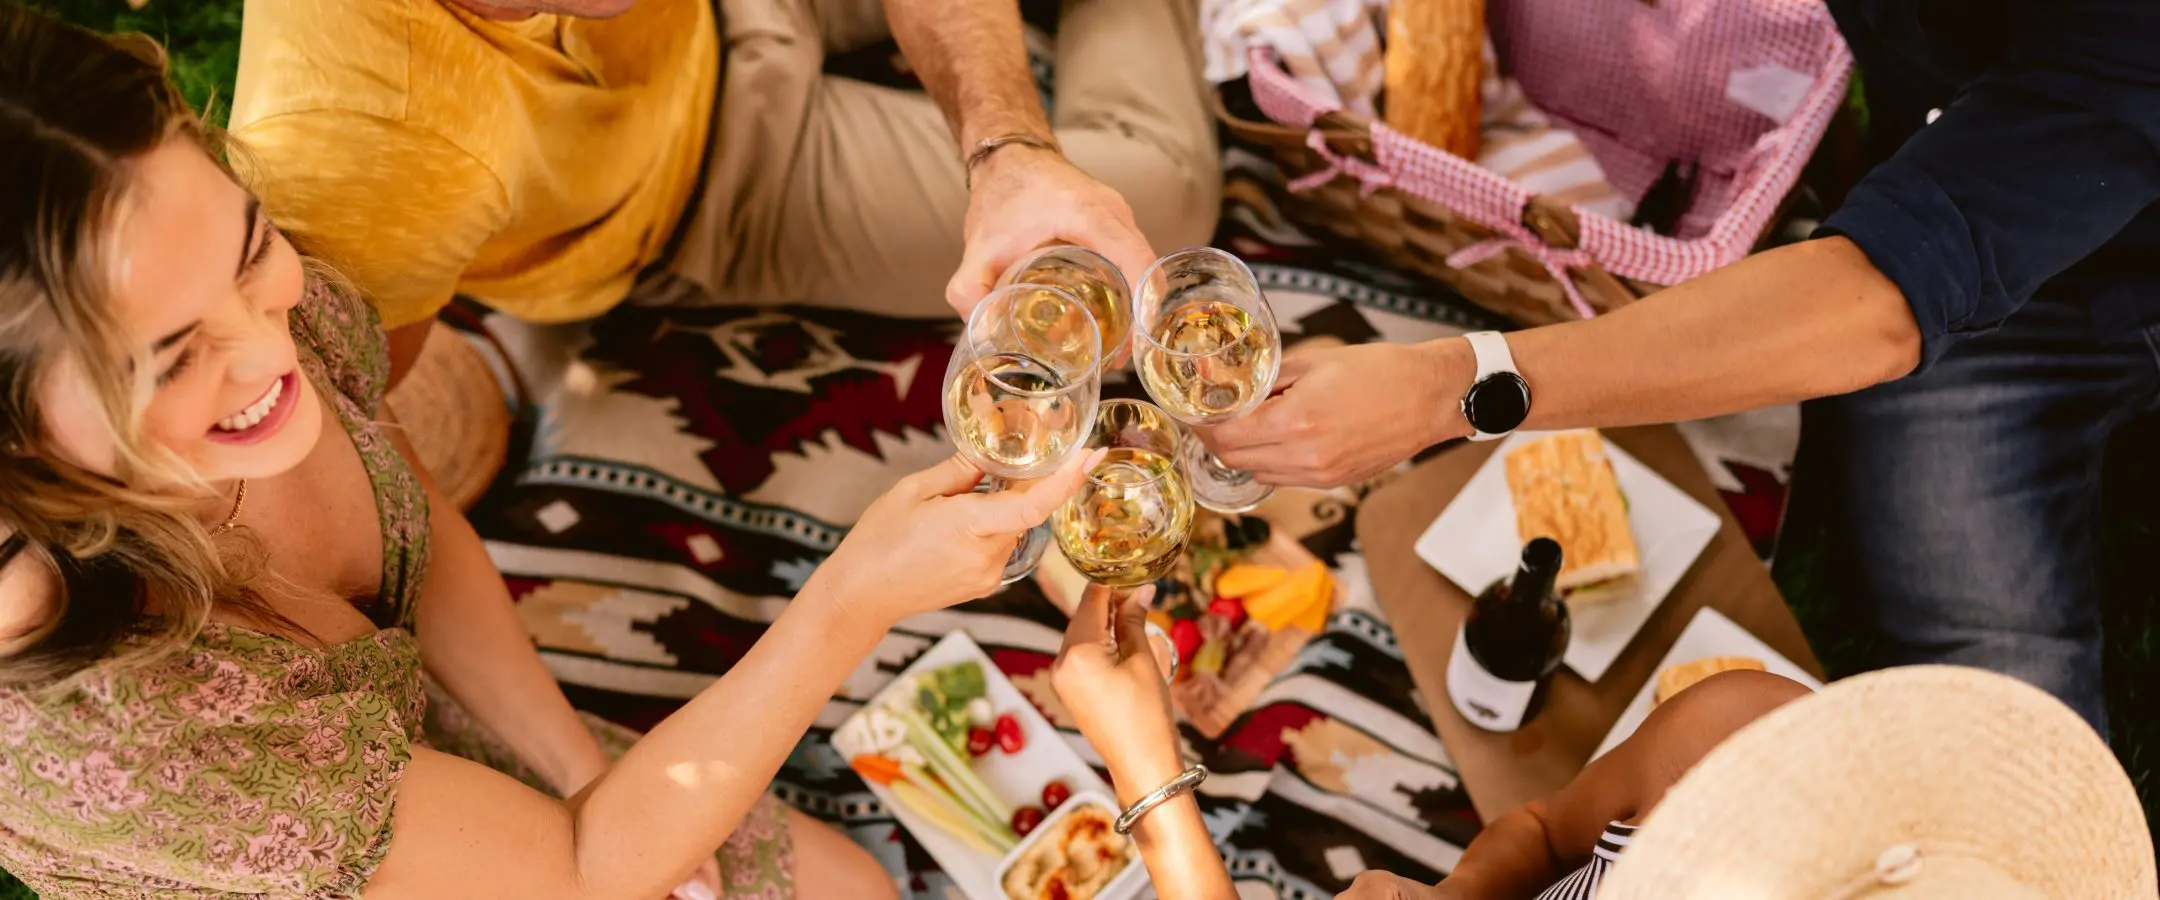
{"points": [[1208, 350], [1207, 362], [1089, 276], [1130, 520], [1012, 411]]}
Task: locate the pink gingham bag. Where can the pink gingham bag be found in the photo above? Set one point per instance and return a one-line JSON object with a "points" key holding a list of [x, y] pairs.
{"points": [[1641, 83]]}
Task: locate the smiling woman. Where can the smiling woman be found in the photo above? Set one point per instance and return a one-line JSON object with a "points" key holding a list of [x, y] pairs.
{"points": [[233, 639]]}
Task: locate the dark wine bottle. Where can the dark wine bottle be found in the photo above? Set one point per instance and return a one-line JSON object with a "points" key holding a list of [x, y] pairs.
{"points": [[1511, 644]]}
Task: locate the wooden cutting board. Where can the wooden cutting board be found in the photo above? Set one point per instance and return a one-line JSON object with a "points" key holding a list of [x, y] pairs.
{"points": [[1504, 771]]}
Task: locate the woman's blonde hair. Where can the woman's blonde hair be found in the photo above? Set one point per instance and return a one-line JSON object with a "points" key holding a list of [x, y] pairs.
{"points": [[138, 574]]}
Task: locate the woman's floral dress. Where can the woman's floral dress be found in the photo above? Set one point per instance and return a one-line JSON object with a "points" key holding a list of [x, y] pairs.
{"points": [[247, 765]]}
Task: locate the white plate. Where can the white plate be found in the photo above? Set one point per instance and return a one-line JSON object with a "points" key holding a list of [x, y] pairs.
{"points": [[1126, 882], [1473, 543], [1017, 779], [1708, 634]]}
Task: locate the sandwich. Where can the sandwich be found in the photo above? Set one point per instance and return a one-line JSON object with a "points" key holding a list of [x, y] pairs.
{"points": [[1565, 489], [1677, 678]]}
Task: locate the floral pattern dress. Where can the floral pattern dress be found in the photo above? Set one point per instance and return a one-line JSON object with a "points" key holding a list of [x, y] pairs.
{"points": [[247, 765]]}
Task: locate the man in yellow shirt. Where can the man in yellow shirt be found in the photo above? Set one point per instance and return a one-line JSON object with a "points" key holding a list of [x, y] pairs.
{"points": [[537, 155]]}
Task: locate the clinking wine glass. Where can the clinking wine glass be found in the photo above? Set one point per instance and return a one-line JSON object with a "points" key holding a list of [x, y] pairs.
{"points": [[1021, 391], [1091, 277], [1208, 352], [1129, 521]]}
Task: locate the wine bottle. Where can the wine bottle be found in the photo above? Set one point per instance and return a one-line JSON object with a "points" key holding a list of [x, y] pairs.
{"points": [[1510, 644]]}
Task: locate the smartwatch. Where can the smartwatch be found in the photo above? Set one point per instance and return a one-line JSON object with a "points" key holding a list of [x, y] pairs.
{"points": [[1498, 399]]}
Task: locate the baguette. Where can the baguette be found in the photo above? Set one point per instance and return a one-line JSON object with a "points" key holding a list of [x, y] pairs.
{"points": [[1565, 489]]}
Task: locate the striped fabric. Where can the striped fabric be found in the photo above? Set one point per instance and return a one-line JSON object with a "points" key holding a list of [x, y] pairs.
{"points": [[1583, 884]]}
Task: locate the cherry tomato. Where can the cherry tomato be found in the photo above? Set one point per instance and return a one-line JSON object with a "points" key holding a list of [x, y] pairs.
{"points": [[1009, 738], [1055, 794], [1026, 819], [980, 740]]}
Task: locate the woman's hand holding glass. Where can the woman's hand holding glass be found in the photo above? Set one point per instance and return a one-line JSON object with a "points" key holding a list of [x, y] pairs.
{"points": [[932, 541], [1112, 683]]}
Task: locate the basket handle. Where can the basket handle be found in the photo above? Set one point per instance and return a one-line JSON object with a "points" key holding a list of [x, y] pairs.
{"points": [[1555, 223]]}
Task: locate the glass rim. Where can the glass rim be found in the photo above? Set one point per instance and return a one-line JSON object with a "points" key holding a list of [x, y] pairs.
{"points": [[1146, 334], [1094, 330], [1178, 437], [1012, 272]]}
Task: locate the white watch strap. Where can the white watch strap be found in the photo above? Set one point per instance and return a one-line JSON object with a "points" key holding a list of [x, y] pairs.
{"points": [[1490, 349]]}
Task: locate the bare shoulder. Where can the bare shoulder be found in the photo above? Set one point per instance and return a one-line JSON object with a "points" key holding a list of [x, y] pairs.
{"points": [[27, 591]]}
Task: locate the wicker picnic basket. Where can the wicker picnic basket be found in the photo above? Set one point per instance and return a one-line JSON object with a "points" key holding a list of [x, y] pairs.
{"points": [[1660, 95]]}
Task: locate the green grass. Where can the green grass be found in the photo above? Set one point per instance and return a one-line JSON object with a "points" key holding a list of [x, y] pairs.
{"points": [[201, 36]]}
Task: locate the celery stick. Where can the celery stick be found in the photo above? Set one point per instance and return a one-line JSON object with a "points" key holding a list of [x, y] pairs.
{"points": [[998, 832], [927, 805], [955, 771]]}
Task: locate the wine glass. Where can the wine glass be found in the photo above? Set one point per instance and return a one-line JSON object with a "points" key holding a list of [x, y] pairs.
{"points": [[1208, 351], [1089, 276], [1128, 523], [1021, 391]]}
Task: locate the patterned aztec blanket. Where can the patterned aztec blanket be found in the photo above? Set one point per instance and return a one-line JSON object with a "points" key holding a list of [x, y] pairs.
{"points": [[691, 464]]}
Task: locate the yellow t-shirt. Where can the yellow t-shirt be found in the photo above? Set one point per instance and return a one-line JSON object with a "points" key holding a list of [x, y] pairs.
{"points": [[534, 165]]}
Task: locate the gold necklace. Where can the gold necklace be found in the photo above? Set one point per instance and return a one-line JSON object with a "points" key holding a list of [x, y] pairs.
{"points": [[233, 521]]}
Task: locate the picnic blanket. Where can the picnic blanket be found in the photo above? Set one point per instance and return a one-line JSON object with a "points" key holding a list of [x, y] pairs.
{"points": [[692, 463]]}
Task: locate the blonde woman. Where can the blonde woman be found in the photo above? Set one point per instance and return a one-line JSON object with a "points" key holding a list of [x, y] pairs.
{"points": [[221, 581]]}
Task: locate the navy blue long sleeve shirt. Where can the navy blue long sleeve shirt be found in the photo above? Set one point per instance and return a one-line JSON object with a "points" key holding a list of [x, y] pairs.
{"points": [[2042, 168]]}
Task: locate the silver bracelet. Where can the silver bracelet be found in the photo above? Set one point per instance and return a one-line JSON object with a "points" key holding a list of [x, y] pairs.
{"points": [[1183, 784]]}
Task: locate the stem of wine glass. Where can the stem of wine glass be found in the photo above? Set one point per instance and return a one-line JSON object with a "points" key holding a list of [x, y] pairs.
{"points": [[1028, 552], [1218, 487]]}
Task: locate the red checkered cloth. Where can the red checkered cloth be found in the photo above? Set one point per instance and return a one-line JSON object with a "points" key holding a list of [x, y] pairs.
{"points": [[1642, 85]]}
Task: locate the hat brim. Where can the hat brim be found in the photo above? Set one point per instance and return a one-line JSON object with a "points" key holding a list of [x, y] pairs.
{"points": [[1998, 785]]}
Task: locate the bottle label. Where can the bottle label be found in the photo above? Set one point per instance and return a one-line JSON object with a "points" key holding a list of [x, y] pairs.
{"points": [[1487, 700]]}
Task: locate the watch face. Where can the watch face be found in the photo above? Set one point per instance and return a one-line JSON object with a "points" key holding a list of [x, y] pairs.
{"points": [[1499, 404]]}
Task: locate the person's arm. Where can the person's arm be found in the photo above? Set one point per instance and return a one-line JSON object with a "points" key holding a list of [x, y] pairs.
{"points": [[972, 59], [1802, 321], [472, 641], [2004, 191], [1108, 679], [647, 821], [1524, 852], [2031, 170]]}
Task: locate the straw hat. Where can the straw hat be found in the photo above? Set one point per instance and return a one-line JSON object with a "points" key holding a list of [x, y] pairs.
{"points": [[455, 414], [1922, 782]]}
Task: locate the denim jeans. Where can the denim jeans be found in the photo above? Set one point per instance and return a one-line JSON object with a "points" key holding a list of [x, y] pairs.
{"points": [[1966, 496]]}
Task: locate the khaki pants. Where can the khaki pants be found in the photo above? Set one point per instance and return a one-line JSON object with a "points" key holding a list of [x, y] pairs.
{"points": [[831, 191]]}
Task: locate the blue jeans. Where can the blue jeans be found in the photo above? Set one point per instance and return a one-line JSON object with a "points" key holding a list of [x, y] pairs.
{"points": [[1966, 497]]}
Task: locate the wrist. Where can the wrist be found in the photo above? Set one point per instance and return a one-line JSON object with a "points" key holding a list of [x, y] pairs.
{"points": [[1135, 775], [833, 604], [995, 163], [1450, 366]]}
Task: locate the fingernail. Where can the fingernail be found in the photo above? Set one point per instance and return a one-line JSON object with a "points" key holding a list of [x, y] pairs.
{"points": [[695, 890]]}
